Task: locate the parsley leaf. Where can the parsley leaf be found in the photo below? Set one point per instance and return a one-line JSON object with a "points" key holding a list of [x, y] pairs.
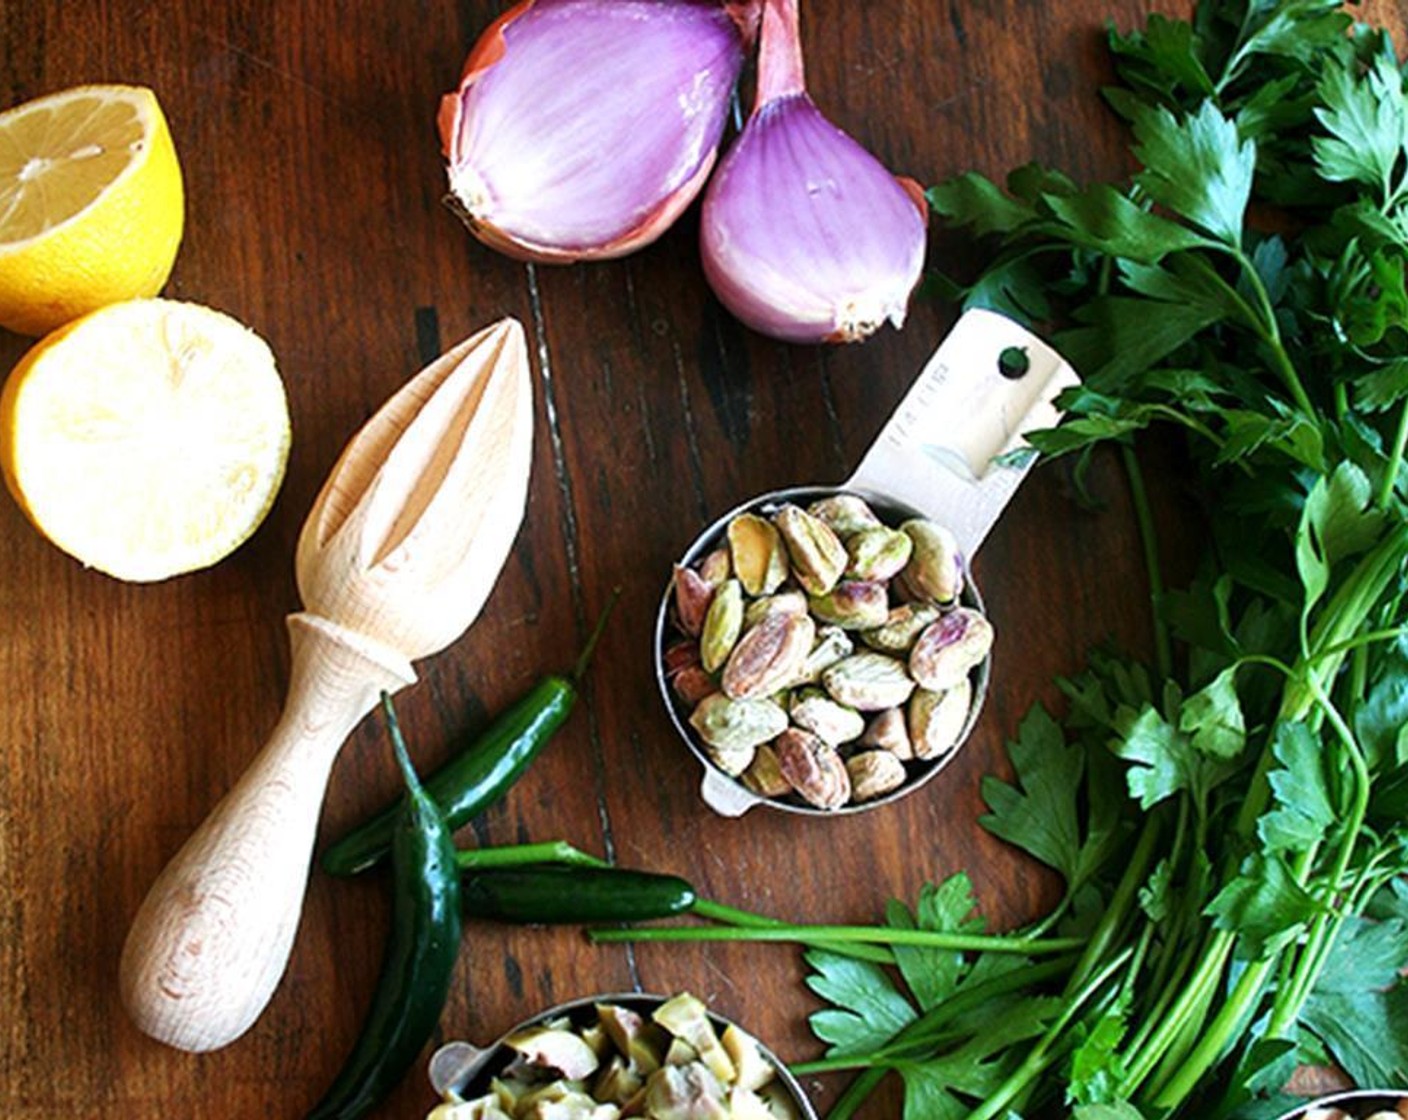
{"points": [[1304, 812], [1097, 1067], [1264, 905], [1383, 387], [1198, 167], [975, 201], [1121, 1110], [868, 1012], [1166, 761], [1381, 721], [1102, 218], [1162, 58], [1119, 337], [933, 974], [1367, 954], [1213, 716], [1362, 1030], [1368, 124], [1041, 812], [975, 1068], [1337, 522], [1298, 29]]}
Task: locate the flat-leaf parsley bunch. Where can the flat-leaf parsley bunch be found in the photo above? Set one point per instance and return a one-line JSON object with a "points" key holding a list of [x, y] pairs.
{"points": [[1229, 821]]}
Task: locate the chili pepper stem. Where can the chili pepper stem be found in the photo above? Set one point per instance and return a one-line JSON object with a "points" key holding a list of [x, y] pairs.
{"points": [[585, 656], [521, 855], [398, 744]]}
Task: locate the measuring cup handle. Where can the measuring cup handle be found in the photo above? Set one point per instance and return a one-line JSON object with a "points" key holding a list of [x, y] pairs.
{"points": [[948, 449]]}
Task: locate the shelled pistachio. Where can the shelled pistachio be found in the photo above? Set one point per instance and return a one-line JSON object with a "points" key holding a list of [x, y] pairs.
{"points": [[814, 551], [723, 622], [844, 513], [737, 724], [814, 769], [877, 553], [758, 554], [936, 719], [813, 710], [901, 628], [874, 774], [935, 570], [950, 648], [868, 681], [850, 627], [764, 776], [853, 605], [768, 656]]}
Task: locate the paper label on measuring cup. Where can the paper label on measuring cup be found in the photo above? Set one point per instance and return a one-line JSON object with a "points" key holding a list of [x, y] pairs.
{"points": [[948, 450]]}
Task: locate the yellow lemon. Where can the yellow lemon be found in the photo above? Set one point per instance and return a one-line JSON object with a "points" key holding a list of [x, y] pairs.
{"points": [[147, 438], [91, 204]]}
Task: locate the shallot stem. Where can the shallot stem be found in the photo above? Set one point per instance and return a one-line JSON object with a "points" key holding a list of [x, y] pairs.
{"points": [[780, 68]]}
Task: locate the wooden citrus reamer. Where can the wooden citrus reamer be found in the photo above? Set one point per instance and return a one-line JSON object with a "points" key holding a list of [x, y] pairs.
{"points": [[395, 560]]}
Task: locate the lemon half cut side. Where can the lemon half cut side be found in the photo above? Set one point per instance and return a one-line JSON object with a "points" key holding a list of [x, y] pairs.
{"points": [[148, 438], [91, 204]]}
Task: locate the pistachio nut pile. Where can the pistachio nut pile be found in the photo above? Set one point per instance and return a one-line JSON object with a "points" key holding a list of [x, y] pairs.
{"points": [[672, 1066], [823, 655]]}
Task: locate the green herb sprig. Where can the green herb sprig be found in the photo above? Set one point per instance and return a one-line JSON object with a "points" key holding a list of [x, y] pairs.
{"points": [[1230, 822]]}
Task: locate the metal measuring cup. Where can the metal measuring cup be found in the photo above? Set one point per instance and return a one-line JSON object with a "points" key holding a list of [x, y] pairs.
{"points": [[465, 1070], [951, 452]]}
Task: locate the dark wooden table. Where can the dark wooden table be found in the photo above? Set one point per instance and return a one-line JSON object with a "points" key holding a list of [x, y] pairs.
{"points": [[314, 179]]}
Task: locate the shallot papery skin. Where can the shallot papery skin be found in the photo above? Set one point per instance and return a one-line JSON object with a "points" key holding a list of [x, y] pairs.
{"points": [[581, 129], [806, 236]]}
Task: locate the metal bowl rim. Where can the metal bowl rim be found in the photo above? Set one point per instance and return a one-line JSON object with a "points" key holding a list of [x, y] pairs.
{"points": [[1348, 1096]]}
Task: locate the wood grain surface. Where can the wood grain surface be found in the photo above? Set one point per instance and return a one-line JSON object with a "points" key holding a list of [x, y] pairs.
{"points": [[314, 183]]}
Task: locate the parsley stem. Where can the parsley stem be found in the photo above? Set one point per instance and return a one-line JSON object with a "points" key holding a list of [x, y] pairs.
{"points": [[1121, 902], [1049, 1047], [1337, 626], [1148, 537], [1226, 1026], [1326, 926], [1140, 1064], [1241, 1002], [856, 1093], [1359, 641], [1262, 320], [1168, 983], [1271, 333], [881, 935], [730, 915], [1395, 458]]}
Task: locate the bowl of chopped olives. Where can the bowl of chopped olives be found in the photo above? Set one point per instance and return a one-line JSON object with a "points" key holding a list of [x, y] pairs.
{"points": [[822, 652], [646, 1056]]}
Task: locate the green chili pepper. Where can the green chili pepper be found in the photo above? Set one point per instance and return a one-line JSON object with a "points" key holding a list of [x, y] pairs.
{"points": [[420, 954], [556, 895], [471, 782]]}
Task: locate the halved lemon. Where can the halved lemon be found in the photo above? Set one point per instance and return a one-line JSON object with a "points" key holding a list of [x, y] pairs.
{"points": [[91, 204], [147, 438]]}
